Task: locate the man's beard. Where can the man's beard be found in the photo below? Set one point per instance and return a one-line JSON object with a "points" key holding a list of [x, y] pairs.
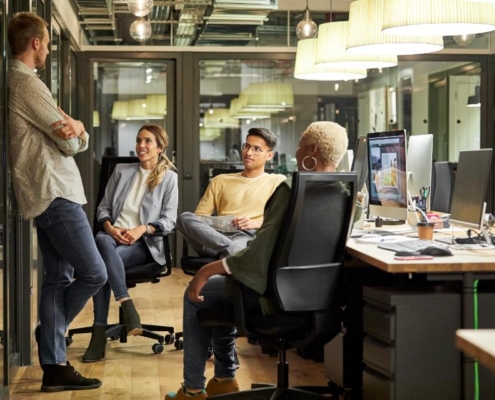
{"points": [[38, 62]]}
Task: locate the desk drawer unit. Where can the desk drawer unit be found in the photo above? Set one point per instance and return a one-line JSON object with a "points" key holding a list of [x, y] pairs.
{"points": [[409, 349]]}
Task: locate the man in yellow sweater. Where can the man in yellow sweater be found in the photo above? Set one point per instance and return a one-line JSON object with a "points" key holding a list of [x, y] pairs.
{"points": [[242, 195]]}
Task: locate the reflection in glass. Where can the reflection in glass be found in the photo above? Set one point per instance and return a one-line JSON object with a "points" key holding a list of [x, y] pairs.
{"points": [[421, 97], [55, 65], [127, 96]]}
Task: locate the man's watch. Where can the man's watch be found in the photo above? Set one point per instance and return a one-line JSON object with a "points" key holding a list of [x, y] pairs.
{"points": [[148, 229]]}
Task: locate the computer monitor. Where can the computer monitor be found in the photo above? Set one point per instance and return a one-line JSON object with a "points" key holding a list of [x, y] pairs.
{"points": [[419, 164], [387, 182], [346, 162], [360, 161], [471, 183]]}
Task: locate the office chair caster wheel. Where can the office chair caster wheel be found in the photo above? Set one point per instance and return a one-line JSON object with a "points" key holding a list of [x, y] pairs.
{"points": [[68, 341], [157, 348], [179, 344], [169, 339]]}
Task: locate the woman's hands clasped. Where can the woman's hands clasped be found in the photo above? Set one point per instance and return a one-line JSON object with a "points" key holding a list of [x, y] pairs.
{"points": [[126, 236]]}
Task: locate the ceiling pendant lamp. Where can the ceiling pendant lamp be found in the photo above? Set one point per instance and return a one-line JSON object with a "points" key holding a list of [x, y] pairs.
{"points": [[366, 37], [140, 30], [437, 17], [307, 28], [140, 8], [306, 68], [331, 50]]}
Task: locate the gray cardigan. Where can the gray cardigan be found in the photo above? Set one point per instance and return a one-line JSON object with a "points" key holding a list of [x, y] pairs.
{"points": [[159, 207]]}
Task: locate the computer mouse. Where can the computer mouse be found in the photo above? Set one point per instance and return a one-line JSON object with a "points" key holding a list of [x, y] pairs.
{"points": [[436, 251]]}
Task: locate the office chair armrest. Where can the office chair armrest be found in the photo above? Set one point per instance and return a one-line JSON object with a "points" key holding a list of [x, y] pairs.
{"points": [[166, 249], [164, 233]]}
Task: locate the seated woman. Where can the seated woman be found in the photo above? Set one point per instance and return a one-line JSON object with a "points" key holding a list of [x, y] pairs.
{"points": [[140, 199], [321, 148]]}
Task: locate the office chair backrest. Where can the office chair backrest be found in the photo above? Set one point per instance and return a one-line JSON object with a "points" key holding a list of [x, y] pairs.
{"points": [[310, 249], [108, 164], [443, 181]]}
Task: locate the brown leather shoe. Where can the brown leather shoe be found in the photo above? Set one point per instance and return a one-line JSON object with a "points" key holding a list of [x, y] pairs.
{"points": [[57, 378], [215, 388]]}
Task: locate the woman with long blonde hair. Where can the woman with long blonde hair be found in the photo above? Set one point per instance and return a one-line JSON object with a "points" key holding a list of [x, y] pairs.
{"points": [[140, 199]]}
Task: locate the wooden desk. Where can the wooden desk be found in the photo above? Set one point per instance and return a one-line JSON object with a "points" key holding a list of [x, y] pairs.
{"points": [[466, 266], [479, 344]]}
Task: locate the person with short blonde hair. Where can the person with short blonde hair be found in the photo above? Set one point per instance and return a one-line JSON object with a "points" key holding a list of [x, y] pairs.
{"points": [[323, 145]]}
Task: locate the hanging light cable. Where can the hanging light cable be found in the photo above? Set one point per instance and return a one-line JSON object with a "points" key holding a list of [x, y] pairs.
{"points": [[306, 28]]}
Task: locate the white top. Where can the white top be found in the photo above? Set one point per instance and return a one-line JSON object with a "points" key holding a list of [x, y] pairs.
{"points": [[129, 217]]}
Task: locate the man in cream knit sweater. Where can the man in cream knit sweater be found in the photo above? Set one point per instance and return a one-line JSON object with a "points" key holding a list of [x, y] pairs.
{"points": [[242, 195]]}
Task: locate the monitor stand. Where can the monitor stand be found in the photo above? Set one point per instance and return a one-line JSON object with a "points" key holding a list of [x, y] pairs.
{"points": [[380, 222]]}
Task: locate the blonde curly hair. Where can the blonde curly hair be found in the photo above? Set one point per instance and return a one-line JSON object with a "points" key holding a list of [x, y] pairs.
{"points": [[330, 138]]}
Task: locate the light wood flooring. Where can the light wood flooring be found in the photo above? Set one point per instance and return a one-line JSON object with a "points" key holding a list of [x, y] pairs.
{"points": [[131, 371]]}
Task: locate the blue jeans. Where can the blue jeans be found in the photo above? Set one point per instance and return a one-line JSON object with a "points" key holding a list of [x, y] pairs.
{"points": [[69, 251], [197, 338], [117, 258]]}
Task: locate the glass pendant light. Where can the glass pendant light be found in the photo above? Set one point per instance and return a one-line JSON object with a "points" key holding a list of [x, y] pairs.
{"points": [[140, 30], [307, 28], [140, 8]]}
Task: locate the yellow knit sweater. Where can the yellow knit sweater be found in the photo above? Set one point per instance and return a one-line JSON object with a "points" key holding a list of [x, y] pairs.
{"points": [[233, 194]]}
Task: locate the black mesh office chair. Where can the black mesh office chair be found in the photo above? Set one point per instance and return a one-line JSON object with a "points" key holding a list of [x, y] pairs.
{"points": [[443, 179], [304, 280], [145, 273]]}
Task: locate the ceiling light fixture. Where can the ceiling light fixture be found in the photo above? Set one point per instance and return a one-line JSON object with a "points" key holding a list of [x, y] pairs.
{"points": [[366, 37], [307, 28], [331, 50], [140, 30], [140, 8], [464, 40], [305, 67], [437, 17]]}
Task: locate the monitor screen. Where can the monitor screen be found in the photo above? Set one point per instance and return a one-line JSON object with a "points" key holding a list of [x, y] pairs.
{"points": [[419, 164], [387, 183], [471, 183], [360, 161]]}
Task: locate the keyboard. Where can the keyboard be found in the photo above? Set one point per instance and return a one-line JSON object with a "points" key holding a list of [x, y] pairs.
{"points": [[415, 245]]}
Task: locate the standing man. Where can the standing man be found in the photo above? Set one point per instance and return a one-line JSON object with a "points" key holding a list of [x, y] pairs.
{"points": [[242, 195], [48, 187]]}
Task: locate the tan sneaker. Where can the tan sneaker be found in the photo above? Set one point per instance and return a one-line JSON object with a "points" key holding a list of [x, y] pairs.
{"points": [[215, 388]]}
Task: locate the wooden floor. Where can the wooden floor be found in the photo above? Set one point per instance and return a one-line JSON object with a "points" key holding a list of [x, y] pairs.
{"points": [[132, 371]]}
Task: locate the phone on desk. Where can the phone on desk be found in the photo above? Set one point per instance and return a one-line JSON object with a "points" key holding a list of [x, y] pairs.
{"points": [[418, 257]]}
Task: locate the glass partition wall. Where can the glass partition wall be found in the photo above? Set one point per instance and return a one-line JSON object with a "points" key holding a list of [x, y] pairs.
{"points": [[422, 97]]}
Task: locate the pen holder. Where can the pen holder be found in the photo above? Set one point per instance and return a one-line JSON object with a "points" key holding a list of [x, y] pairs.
{"points": [[425, 230]]}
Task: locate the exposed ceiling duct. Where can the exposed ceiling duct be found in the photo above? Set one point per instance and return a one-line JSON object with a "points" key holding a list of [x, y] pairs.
{"points": [[177, 23]]}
